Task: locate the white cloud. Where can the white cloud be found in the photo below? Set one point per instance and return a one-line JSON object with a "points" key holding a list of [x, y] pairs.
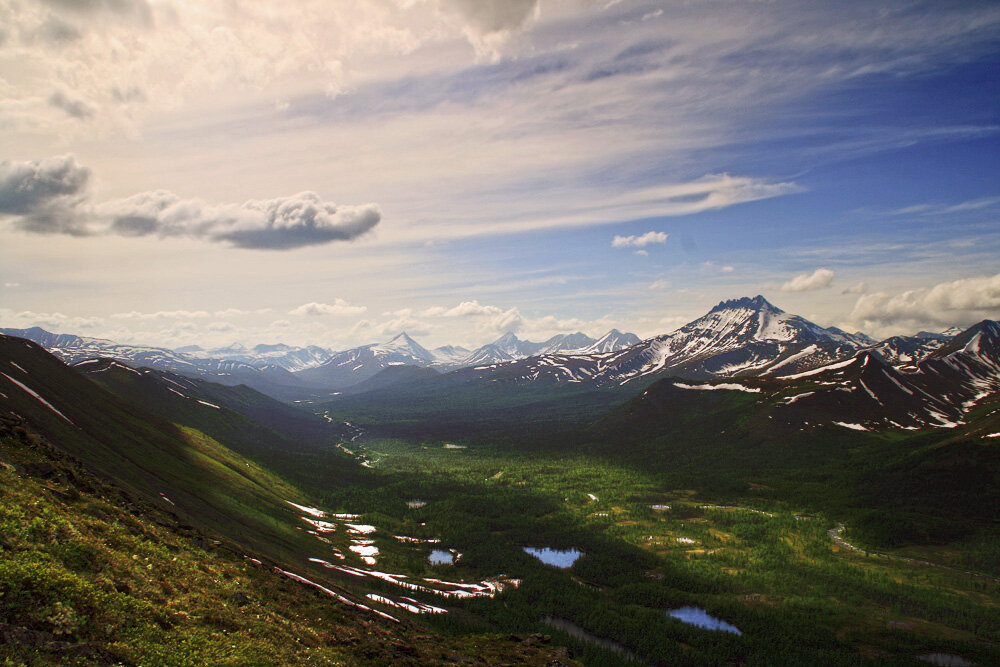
{"points": [[857, 288], [339, 307], [712, 267], [806, 282], [660, 284], [163, 315], [42, 195], [238, 312], [49, 196], [959, 302], [275, 224]]}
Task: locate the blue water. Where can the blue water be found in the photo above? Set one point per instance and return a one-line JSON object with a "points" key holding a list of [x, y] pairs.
{"points": [[699, 617], [442, 557], [556, 557]]}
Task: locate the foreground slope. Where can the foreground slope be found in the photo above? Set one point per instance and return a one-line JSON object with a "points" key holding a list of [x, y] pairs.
{"points": [[90, 574], [179, 468]]}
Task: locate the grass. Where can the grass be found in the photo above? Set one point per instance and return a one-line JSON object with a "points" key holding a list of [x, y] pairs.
{"points": [[91, 575], [762, 566]]}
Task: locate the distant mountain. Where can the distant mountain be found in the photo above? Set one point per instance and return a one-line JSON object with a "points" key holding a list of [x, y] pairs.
{"points": [[566, 343], [352, 366], [510, 348], [747, 336], [861, 393], [403, 349], [613, 341], [268, 378], [905, 351], [450, 354]]}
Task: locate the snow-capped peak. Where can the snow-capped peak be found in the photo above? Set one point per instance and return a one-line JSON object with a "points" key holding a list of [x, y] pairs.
{"points": [[401, 344], [613, 341]]}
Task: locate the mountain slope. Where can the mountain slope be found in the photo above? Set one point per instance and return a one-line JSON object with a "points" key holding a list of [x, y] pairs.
{"points": [[741, 337], [613, 341], [277, 434], [350, 367], [268, 378], [177, 468], [90, 574]]}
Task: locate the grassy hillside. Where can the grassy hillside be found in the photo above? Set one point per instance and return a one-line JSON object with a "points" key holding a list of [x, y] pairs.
{"points": [[289, 440], [92, 575], [898, 487], [179, 468]]}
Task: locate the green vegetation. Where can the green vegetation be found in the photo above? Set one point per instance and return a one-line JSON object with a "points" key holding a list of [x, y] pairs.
{"points": [[676, 498], [764, 567], [92, 575]]}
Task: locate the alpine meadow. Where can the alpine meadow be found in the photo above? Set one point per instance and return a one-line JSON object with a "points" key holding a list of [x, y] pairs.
{"points": [[499, 332]]}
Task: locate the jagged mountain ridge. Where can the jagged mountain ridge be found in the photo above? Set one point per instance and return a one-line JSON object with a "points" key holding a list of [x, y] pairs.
{"points": [[747, 336], [865, 392]]}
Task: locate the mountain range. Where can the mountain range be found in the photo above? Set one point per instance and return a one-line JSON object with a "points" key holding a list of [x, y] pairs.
{"points": [[737, 339], [285, 371]]}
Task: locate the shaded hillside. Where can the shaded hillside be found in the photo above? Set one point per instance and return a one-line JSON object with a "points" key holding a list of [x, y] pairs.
{"points": [[178, 468]]}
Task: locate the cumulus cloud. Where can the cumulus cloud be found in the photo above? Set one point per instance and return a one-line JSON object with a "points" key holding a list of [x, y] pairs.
{"points": [[487, 24], [43, 195], [271, 224], [649, 238], [49, 196], [54, 321], [959, 302], [338, 307], [163, 315], [856, 288], [490, 318], [806, 282]]}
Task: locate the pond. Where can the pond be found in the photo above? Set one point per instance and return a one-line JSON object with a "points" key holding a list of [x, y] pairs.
{"points": [[441, 557], [556, 557], [699, 617]]}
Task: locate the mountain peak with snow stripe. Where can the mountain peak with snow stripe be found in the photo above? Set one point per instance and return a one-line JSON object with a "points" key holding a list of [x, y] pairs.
{"points": [[402, 345]]}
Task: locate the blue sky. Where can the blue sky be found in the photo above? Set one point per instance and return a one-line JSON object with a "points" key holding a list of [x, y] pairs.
{"points": [[461, 169]]}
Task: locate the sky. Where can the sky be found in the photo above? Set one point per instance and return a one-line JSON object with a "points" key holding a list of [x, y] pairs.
{"points": [[176, 173]]}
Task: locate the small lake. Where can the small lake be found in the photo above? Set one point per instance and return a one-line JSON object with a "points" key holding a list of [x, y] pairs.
{"points": [[699, 617], [555, 557], [441, 557]]}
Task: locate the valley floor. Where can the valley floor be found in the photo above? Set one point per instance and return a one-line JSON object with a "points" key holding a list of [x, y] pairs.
{"points": [[798, 592]]}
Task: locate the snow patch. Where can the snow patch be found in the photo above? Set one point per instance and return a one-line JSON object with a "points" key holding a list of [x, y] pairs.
{"points": [[853, 427], [821, 369], [725, 385], [39, 398], [308, 510]]}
